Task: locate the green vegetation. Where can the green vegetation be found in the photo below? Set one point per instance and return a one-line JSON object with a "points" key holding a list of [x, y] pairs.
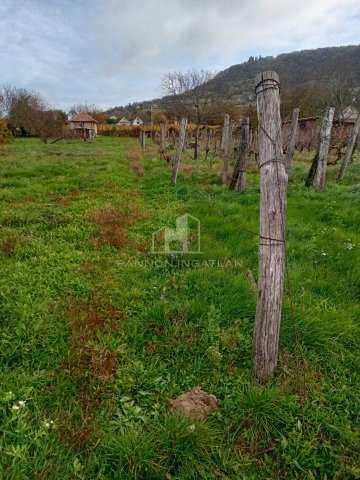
{"points": [[324, 66], [96, 340]]}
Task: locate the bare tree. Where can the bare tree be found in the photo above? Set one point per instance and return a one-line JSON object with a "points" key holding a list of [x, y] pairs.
{"points": [[341, 93], [191, 95], [27, 111]]}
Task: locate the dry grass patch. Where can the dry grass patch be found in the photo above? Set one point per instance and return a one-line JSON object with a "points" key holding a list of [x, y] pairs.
{"points": [[112, 226], [86, 319], [135, 158], [8, 245], [89, 365], [137, 169]]}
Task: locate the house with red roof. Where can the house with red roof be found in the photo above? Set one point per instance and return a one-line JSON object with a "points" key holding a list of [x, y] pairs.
{"points": [[84, 125]]}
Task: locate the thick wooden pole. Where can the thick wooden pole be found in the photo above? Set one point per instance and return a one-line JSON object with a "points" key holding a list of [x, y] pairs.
{"points": [[292, 142], [226, 142], [350, 148], [273, 185], [324, 148], [179, 149]]}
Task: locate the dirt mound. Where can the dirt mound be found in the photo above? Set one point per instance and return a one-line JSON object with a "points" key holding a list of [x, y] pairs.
{"points": [[196, 404]]}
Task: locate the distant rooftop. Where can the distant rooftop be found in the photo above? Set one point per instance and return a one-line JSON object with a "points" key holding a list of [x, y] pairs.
{"points": [[83, 117]]}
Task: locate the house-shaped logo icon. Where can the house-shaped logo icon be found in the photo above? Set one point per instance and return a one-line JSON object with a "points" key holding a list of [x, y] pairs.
{"points": [[184, 239]]}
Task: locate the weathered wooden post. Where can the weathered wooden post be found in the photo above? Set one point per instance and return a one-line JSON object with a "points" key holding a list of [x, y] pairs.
{"points": [[256, 147], [142, 139], [196, 142], [207, 142], [162, 138], [292, 142], [324, 148], [244, 147], [239, 172], [350, 148], [179, 149], [273, 185], [226, 143]]}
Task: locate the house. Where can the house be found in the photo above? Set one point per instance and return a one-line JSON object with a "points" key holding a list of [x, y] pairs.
{"points": [[123, 121], [84, 125], [307, 133], [137, 121], [349, 115]]}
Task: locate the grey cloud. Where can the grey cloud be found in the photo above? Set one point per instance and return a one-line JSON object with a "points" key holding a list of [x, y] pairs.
{"points": [[113, 51]]}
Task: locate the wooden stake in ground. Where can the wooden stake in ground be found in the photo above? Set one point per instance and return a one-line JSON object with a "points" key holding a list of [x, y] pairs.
{"points": [[324, 148], [207, 142], [142, 139], [226, 142], [244, 147], [179, 149], [162, 138], [292, 142], [273, 185], [350, 148], [241, 158]]}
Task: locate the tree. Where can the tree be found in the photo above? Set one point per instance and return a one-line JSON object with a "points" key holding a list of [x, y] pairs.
{"points": [[191, 95], [28, 112], [159, 118], [5, 132], [341, 93], [310, 98], [47, 123]]}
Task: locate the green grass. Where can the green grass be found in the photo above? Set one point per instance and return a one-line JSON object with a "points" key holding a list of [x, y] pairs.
{"points": [[96, 339]]}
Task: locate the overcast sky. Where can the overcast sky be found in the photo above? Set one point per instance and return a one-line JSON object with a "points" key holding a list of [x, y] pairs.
{"points": [[112, 52]]}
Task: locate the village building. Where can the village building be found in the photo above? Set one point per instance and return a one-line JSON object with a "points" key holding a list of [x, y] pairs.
{"points": [[307, 132], [137, 121], [84, 125], [348, 116], [124, 121]]}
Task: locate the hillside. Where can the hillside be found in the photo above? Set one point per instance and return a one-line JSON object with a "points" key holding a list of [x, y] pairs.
{"points": [[328, 66], [323, 65]]}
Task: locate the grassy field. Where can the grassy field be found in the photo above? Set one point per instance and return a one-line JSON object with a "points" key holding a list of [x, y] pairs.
{"points": [[97, 338]]}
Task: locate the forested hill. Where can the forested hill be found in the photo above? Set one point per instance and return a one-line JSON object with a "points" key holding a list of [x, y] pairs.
{"points": [[322, 65], [334, 67]]}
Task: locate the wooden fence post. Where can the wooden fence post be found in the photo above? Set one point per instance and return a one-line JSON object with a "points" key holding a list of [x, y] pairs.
{"points": [[226, 143], [244, 147], [179, 149], [142, 139], [239, 172], [207, 142], [162, 138], [292, 142], [350, 148], [196, 143], [273, 185], [256, 147], [324, 148]]}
